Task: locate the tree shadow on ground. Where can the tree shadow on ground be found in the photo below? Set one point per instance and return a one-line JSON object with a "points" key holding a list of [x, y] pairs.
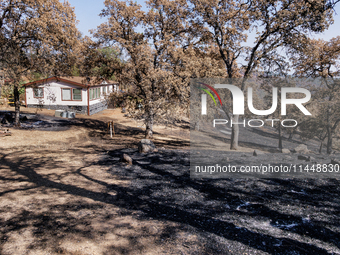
{"points": [[247, 144], [262, 139], [236, 214]]}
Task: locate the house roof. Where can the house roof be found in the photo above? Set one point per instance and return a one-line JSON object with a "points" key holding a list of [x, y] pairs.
{"points": [[79, 81]]}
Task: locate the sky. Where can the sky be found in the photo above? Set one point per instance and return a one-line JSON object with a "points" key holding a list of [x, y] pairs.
{"points": [[87, 12]]}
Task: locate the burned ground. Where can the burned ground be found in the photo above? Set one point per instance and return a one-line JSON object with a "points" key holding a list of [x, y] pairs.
{"points": [[77, 197]]}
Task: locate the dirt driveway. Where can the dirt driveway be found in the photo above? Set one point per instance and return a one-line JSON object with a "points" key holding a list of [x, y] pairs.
{"points": [[56, 188], [66, 192]]}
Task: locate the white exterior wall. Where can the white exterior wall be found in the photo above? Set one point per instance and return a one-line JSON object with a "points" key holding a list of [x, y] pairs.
{"points": [[111, 88], [115, 88], [52, 95]]}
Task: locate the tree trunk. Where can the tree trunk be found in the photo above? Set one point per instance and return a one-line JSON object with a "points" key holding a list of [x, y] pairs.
{"points": [[234, 133], [320, 149], [329, 140], [149, 124], [17, 106], [235, 129], [291, 136], [280, 137]]}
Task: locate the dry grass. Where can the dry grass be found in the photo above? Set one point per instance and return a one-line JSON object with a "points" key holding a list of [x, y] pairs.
{"points": [[127, 131], [65, 192], [54, 192]]}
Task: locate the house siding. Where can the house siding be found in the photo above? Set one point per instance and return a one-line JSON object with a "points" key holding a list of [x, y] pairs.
{"points": [[98, 107], [71, 108], [94, 108], [52, 95], [52, 98]]}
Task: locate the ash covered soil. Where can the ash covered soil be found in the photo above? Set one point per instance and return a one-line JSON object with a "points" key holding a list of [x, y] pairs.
{"points": [[234, 216], [75, 196]]}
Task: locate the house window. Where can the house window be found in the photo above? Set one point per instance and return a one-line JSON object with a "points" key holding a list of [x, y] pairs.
{"points": [[71, 94], [38, 92], [104, 90], [76, 94], [91, 94], [66, 94], [95, 93]]}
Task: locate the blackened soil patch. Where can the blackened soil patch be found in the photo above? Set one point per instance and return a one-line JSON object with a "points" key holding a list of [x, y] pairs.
{"points": [[232, 216]]}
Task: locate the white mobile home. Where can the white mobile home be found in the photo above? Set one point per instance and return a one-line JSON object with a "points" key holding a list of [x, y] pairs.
{"points": [[78, 94]]}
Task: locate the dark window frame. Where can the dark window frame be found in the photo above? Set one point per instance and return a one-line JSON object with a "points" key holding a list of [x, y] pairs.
{"points": [[34, 89], [81, 95], [72, 93]]}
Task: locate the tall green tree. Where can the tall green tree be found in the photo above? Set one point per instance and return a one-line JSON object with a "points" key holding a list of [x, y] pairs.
{"points": [[99, 60]]}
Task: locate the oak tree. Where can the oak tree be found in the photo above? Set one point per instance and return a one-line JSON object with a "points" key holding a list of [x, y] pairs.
{"points": [[36, 36], [160, 56], [319, 59], [277, 24]]}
